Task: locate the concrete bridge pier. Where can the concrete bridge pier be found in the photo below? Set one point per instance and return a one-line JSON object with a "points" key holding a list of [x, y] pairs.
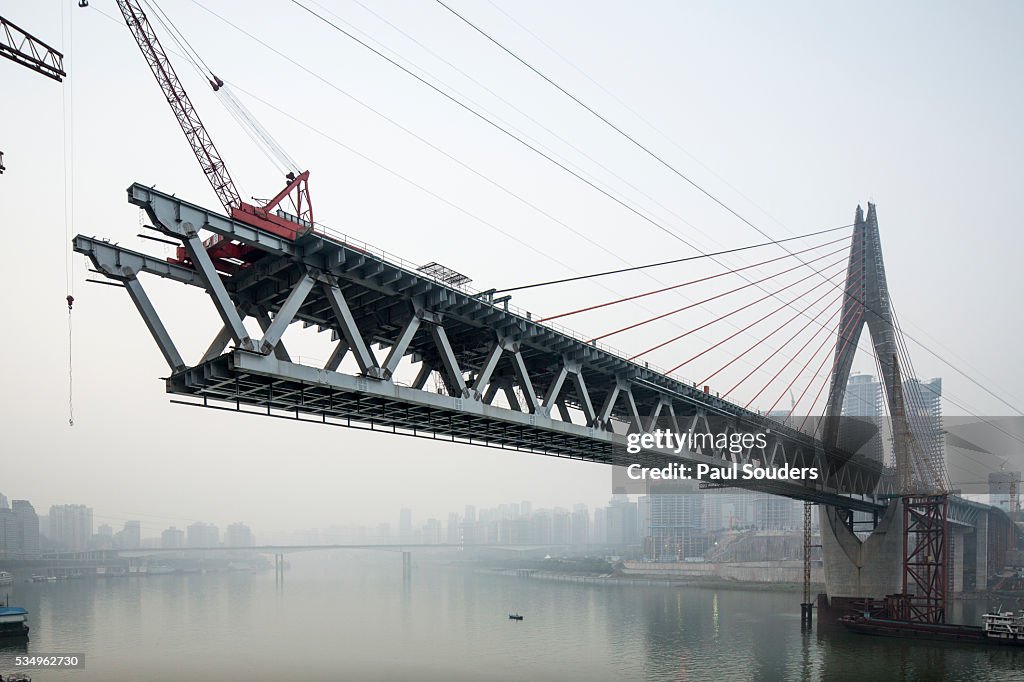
{"points": [[981, 553], [957, 540], [856, 568]]}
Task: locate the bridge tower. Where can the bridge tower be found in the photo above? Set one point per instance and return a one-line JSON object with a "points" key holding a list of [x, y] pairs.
{"points": [[875, 566], [866, 303]]}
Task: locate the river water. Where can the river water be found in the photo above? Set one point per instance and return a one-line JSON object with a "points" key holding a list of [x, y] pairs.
{"points": [[351, 616]]}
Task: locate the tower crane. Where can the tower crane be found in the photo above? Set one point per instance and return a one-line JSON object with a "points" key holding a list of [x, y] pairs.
{"points": [[272, 216]]}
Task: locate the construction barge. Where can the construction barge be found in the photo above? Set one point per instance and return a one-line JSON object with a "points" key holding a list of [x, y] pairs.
{"points": [[1006, 628]]}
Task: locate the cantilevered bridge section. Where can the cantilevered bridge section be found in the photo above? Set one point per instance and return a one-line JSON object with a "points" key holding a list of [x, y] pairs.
{"points": [[560, 395]]}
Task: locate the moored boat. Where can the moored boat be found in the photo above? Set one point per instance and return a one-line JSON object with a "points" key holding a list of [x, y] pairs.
{"points": [[998, 628], [6, 578], [13, 621], [1007, 626]]}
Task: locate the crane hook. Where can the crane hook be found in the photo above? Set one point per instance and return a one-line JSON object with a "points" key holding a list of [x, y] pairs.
{"points": [[71, 299]]}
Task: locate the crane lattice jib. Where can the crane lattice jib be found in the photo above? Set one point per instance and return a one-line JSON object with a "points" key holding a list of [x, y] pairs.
{"points": [[24, 48], [202, 145]]}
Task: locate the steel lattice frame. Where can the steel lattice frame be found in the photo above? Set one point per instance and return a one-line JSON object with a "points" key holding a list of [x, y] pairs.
{"points": [[477, 346], [23, 48], [925, 552], [195, 132]]}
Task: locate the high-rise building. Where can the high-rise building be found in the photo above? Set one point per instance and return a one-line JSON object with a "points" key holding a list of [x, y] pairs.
{"points": [[405, 525], [432, 532], [540, 527], [130, 537], [600, 533], [3, 502], [238, 535], [172, 538], [1004, 490], [27, 528], [454, 529], [471, 534], [9, 536], [772, 512], [580, 525], [924, 416], [561, 526], [71, 526], [863, 402], [202, 535], [622, 525], [676, 530]]}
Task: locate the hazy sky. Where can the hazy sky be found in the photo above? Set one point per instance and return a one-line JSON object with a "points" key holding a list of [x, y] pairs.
{"points": [[793, 113]]}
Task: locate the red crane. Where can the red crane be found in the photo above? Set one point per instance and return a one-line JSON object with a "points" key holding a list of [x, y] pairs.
{"points": [[291, 222]]}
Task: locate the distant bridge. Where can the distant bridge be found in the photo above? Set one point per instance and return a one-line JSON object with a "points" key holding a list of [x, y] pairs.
{"points": [[105, 554]]}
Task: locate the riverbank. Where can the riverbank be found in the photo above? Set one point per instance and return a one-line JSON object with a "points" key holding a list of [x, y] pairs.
{"points": [[651, 580]]}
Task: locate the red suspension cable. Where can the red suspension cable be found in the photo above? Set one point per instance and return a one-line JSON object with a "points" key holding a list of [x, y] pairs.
{"points": [[789, 341], [846, 341], [707, 300], [684, 284], [785, 304], [729, 314], [782, 326], [811, 381], [799, 373], [811, 338]]}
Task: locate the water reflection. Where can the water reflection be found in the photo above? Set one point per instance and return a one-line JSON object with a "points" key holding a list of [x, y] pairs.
{"points": [[355, 616]]}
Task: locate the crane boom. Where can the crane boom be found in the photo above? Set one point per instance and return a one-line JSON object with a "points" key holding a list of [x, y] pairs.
{"points": [[289, 224], [195, 132], [24, 48]]}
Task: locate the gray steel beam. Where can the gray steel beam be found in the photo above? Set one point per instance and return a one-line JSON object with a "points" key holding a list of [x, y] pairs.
{"points": [[489, 364], [263, 318], [219, 343], [456, 383], [523, 379], [609, 404], [286, 314], [337, 355], [249, 364], [215, 286], [634, 414], [563, 411], [512, 398], [555, 388], [364, 358], [118, 262], [177, 218], [398, 348], [153, 323], [423, 375], [584, 397]]}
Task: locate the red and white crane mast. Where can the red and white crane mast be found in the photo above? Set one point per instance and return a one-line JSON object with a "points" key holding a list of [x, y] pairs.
{"points": [[271, 216]]}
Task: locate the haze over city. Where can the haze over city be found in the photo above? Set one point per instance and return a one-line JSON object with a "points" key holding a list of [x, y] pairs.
{"points": [[895, 105]]}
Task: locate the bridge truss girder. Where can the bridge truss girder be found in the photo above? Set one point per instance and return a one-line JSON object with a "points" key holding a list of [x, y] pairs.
{"points": [[478, 348]]}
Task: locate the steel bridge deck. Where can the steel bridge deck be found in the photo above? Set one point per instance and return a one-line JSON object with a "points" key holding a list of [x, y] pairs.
{"points": [[477, 346]]}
